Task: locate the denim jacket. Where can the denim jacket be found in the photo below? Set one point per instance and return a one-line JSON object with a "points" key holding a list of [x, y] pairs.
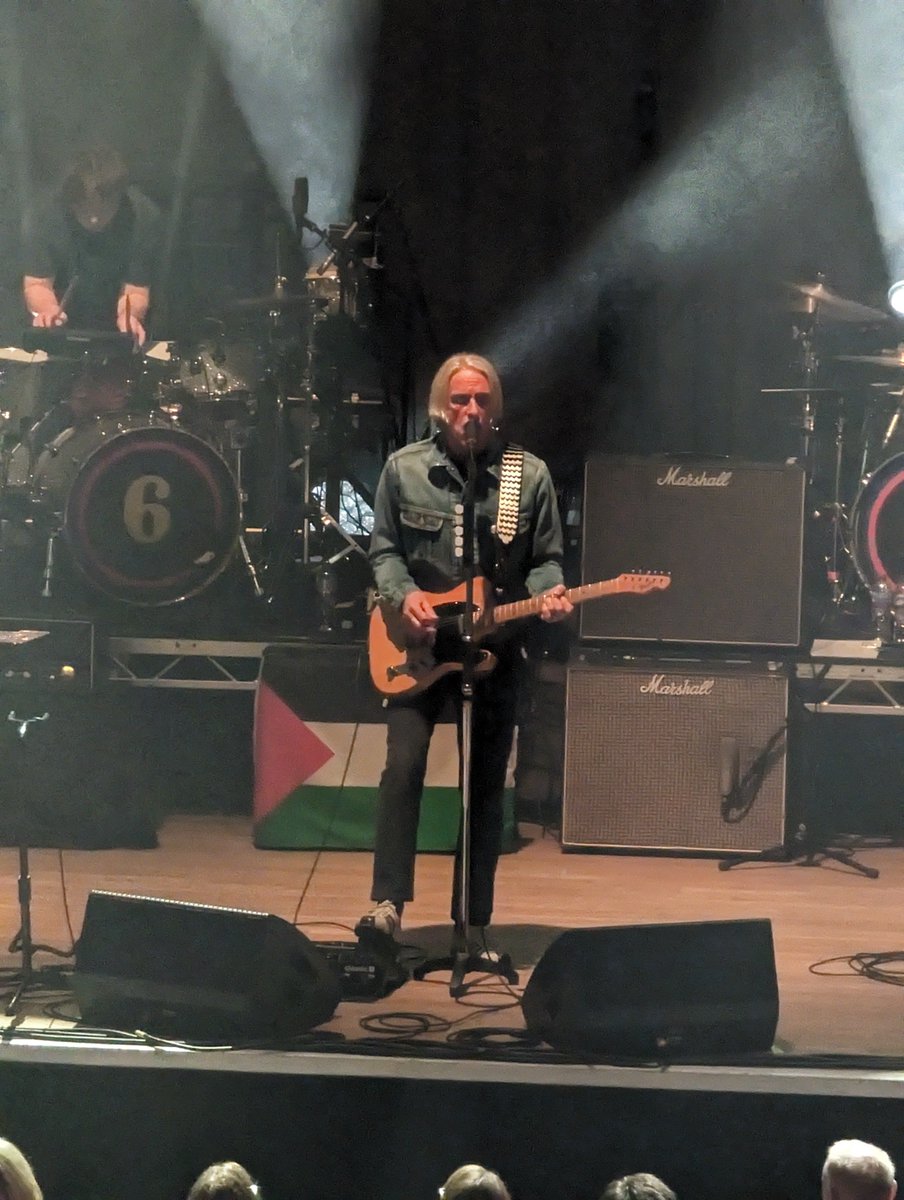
{"points": [[417, 514]]}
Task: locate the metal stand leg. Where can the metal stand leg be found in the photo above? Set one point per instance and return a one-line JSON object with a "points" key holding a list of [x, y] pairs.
{"points": [[805, 847], [250, 567], [47, 577], [22, 940]]}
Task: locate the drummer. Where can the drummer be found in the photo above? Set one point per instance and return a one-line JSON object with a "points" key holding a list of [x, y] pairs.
{"points": [[90, 248]]}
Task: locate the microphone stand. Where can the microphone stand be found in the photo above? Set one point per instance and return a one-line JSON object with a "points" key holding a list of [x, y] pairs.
{"points": [[461, 961]]}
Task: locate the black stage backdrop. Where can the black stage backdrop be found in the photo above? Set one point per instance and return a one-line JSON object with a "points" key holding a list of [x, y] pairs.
{"points": [[523, 142]]}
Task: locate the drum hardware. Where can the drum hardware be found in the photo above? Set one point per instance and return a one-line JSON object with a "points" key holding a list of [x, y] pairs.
{"points": [[49, 560], [306, 404]]}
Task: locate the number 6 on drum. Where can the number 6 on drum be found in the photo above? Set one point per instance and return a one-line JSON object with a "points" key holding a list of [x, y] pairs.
{"points": [[145, 518], [151, 514]]}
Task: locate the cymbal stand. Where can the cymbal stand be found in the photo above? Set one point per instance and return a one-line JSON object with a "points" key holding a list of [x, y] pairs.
{"points": [[838, 515], [805, 334], [238, 455], [326, 578], [306, 402]]}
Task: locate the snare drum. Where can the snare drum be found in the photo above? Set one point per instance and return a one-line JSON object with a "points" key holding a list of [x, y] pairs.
{"points": [[223, 385], [150, 513], [877, 525]]}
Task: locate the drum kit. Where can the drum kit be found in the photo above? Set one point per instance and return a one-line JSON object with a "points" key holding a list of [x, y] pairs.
{"points": [[859, 483], [160, 468]]}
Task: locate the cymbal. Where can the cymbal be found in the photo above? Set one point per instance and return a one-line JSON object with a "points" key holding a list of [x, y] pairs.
{"points": [[273, 300], [885, 358], [816, 298]]}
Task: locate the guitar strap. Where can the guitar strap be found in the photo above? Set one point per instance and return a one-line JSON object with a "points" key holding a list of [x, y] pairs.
{"points": [[510, 473]]}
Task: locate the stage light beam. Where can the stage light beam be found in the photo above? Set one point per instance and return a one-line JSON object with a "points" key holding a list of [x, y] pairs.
{"points": [[698, 206], [868, 42], [300, 72]]}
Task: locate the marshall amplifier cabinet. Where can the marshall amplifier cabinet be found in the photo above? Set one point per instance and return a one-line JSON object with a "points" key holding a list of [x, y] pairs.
{"points": [[729, 533], [675, 757]]}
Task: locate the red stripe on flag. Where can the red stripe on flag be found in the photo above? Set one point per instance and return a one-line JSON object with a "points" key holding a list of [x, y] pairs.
{"points": [[286, 751]]}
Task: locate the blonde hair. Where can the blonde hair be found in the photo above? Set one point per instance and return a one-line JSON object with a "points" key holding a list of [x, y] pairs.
{"points": [[473, 1182], [439, 388], [224, 1181], [17, 1179]]}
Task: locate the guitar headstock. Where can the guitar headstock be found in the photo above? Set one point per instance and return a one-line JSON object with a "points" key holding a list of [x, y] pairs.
{"points": [[644, 581]]}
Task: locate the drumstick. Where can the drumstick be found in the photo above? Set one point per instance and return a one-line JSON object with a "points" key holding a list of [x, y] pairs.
{"points": [[67, 295]]}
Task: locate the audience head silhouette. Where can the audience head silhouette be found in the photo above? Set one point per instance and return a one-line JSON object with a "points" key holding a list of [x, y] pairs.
{"points": [[640, 1186], [855, 1170], [473, 1182], [224, 1181], [17, 1180]]}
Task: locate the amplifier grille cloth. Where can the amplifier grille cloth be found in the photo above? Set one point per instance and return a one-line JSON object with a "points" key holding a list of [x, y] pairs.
{"points": [[644, 770], [734, 553]]}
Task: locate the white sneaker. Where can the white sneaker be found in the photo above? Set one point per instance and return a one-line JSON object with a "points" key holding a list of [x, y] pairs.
{"points": [[384, 918], [477, 944]]}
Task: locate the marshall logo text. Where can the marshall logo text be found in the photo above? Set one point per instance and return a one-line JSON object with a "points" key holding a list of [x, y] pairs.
{"points": [[674, 478], [660, 686]]}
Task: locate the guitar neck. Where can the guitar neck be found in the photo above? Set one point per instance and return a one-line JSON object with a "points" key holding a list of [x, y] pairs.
{"points": [[532, 606]]}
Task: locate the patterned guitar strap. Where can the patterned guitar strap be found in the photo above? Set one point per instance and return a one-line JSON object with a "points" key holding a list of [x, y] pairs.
{"points": [[511, 470]]}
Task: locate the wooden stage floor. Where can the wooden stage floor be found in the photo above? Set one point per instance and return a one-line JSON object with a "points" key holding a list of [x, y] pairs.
{"points": [[821, 913]]}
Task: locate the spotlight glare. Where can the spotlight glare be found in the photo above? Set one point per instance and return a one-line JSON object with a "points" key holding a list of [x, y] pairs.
{"points": [[896, 297]]}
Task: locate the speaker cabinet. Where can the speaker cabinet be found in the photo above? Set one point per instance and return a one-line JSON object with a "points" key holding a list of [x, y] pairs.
{"points": [[657, 990], [194, 971], [730, 534], [687, 757]]}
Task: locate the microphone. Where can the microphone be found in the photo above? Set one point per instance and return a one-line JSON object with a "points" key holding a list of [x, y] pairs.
{"points": [[300, 200], [471, 427], [300, 203]]}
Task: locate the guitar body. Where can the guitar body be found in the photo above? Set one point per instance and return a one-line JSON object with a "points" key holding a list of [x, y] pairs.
{"points": [[399, 666]]}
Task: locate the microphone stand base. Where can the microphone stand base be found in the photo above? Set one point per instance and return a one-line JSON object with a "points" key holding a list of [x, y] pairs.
{"points": [[462, 962]]}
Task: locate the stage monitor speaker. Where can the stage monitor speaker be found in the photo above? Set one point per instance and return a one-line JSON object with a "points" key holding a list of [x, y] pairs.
{"points": [[195, 971], [686, 757], [657, 990], [730, 534]]}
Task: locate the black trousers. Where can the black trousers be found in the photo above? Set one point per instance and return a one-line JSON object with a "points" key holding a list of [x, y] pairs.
{"points": [[410, 725]]}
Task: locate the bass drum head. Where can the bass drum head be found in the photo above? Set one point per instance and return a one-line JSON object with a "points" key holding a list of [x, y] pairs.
{"points": [[151, 512], [877, 525]]}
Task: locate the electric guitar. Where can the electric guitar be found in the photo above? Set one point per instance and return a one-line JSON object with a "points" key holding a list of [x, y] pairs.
{"points": [[399, 665]]}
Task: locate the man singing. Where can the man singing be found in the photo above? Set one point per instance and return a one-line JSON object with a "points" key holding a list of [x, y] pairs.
{"points": [[417, 547]]}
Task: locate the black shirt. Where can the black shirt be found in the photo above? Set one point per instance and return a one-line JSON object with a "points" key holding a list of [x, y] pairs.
{"points": [[57, 247]]}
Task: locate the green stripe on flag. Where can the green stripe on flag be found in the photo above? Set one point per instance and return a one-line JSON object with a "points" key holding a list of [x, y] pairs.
{"points": [[331, 818]]}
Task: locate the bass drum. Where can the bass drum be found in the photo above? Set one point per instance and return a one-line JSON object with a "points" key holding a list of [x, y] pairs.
{"points": [[877, 525], [150, 513]]}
